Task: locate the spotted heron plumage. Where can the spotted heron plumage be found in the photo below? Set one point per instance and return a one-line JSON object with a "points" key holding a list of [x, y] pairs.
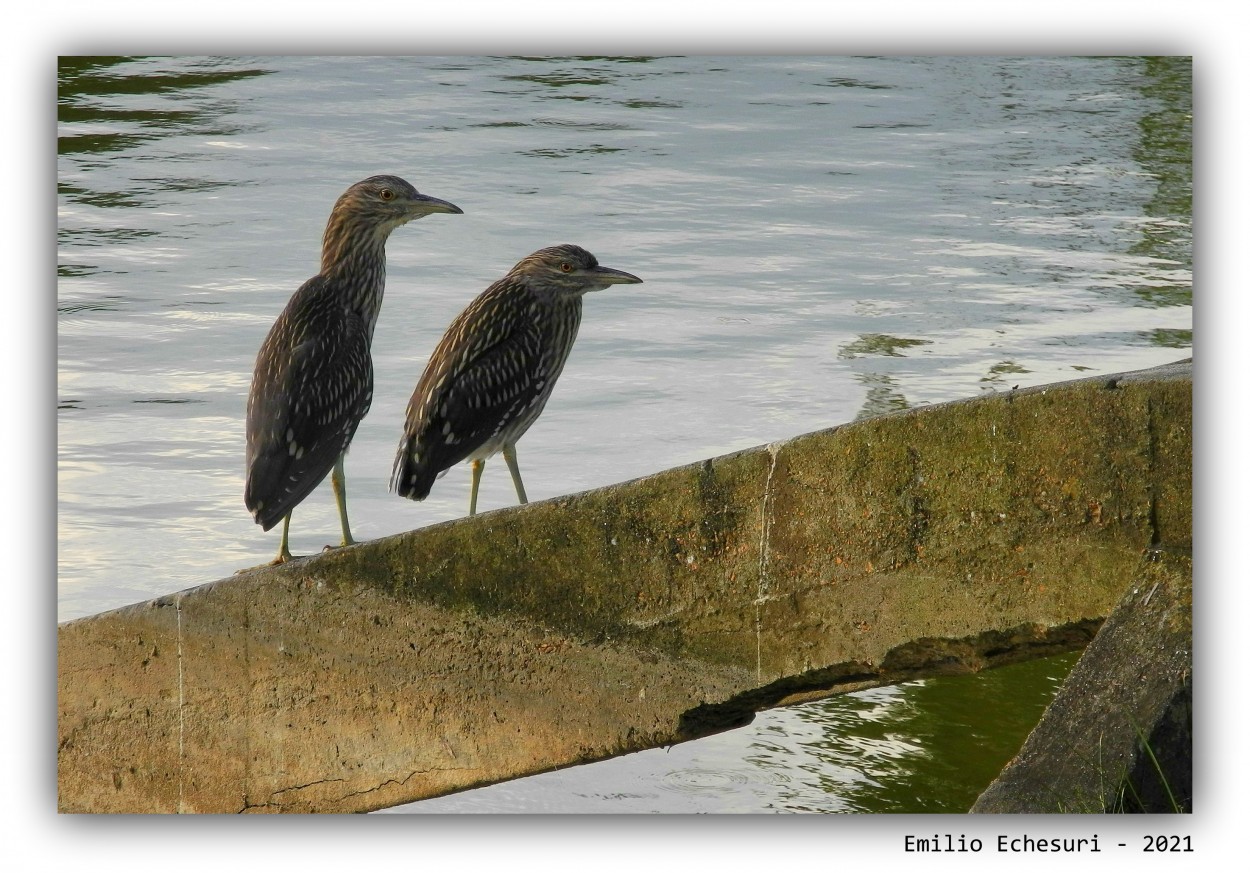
{"points": [[494, 369], [313, 381]]}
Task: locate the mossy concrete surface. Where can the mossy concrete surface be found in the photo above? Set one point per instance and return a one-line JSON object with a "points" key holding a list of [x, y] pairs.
{"points": [[945, 538]]}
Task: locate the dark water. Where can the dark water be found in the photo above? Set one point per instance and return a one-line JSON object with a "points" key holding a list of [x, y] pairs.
{"points": [[820, 238]]}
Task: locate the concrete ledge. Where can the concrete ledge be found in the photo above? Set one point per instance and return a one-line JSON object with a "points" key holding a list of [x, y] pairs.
{"points": [[946, 538]]}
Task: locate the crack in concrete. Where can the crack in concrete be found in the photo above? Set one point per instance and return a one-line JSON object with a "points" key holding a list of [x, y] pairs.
{"points": [[385, 783], [761, 589], [302, 787], [404, 781], [247, 804], [281, 804]]}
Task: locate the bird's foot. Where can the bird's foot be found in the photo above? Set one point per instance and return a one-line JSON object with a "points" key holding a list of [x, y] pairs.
{"points": [[280, 559]]}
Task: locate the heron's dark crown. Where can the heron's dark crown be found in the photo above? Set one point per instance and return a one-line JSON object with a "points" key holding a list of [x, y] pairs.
{"points": [[366, 213], [551, 257], [568, 268], [387, 200]]}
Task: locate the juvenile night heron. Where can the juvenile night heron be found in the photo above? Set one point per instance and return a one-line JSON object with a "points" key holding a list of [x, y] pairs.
{"points": [[492, 373], [314, 374]]}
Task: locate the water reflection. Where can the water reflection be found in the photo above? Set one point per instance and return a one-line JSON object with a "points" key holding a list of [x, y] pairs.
{"points": [[1003, 371], [1165, 151], [882, 394], [581, 79], [96, 111], [879, 344], [1176, 338]]}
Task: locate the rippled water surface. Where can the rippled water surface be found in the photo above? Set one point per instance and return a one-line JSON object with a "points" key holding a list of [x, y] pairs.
{"points": [[820, 238]]}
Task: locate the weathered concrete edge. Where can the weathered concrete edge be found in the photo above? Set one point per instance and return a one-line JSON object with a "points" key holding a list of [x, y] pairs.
{"points": [[391, 563], [775, 581]]}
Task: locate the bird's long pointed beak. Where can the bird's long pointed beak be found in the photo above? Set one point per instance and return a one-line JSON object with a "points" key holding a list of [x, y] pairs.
{"points": [[426, 205], [608, 276]]}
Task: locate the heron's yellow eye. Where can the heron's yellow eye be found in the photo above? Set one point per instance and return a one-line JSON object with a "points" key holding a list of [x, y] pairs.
{"points": [[386, 194], [566, 267]]}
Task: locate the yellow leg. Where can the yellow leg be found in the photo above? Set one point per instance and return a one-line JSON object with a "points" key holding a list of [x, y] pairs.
{"points": [[509, 455], [338, 481], [477, 466], [284, 551]]}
